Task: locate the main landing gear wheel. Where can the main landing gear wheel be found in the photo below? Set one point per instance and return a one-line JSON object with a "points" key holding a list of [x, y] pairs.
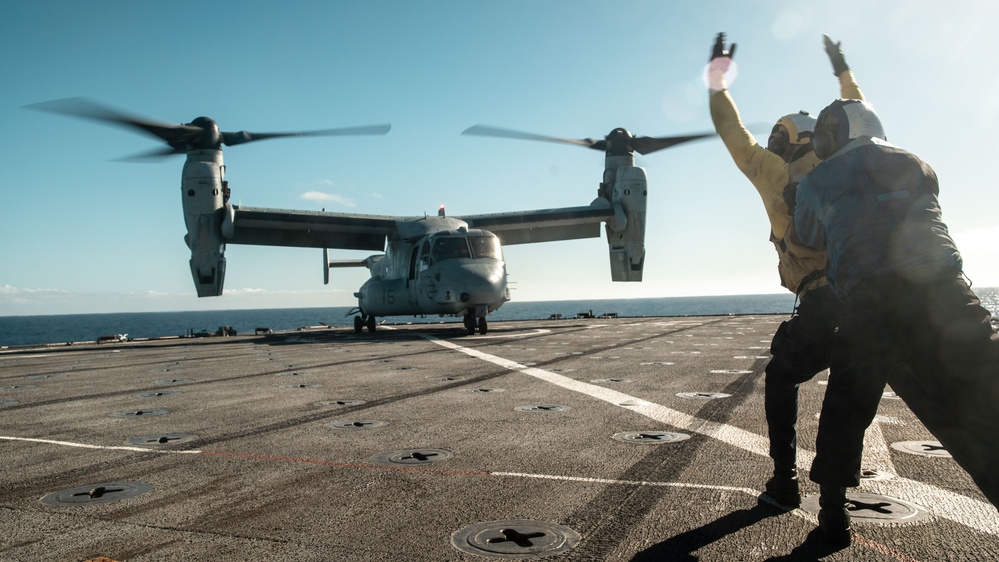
{"points": [[470, 323], [371, 323], [483, 327], [358, 324]]}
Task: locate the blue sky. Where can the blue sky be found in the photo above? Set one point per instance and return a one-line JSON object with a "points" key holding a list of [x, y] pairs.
{"points": [[81, 232]]}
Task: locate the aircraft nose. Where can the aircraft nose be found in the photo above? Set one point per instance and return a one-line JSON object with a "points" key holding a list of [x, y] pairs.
{"points": [[476, 283]]}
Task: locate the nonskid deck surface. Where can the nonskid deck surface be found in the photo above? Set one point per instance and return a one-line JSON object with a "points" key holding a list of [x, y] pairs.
{"points": [[583, 439]]}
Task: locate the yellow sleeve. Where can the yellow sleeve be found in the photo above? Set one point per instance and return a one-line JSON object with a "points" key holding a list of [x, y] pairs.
{"points": [[767, 171], [848, 88], [762, 167]]}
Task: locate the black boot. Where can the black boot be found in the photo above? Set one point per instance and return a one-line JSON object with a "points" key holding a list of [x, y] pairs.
{"points": [[783, 488], [834, 518]]}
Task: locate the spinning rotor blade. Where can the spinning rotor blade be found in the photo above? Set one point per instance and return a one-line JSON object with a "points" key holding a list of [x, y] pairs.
{"points": [[87, 109], [241, 137], [648, 145], [617, 142], [202, 133], [487, 131], [153, 155]]}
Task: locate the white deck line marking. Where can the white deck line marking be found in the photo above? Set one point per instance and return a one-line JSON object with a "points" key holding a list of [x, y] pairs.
{"points": [[877, 454], [966, 511], [106, 447], [517, 335]]}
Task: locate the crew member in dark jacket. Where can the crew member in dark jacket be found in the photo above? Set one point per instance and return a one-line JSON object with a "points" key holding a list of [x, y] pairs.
{"points": [[908, 317]]}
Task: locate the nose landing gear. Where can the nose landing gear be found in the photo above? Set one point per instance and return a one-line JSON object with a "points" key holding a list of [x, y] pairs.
{"points": [[363, 320], [471, 323]]}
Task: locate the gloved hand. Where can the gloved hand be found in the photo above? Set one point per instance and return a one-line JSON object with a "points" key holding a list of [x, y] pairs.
{"points": [[719, 48], [835, 56], [721, 69]]}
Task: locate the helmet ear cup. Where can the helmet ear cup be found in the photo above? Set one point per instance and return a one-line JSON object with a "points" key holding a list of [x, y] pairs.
{"points": [[824, 143]]}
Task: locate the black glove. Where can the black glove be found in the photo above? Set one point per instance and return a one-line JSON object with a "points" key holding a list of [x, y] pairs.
{"points": [[835, 56], [719, 48]]}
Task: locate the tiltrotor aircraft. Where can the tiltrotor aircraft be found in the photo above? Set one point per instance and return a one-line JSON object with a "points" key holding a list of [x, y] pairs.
{"points": [[429, 264]]}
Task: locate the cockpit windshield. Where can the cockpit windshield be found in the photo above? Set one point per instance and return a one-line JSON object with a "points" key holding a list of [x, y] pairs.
{"points": [[451, 247], [446, 248]]}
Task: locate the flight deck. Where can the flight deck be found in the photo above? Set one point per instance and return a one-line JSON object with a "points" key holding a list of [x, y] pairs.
{"points": [[577, 439]]}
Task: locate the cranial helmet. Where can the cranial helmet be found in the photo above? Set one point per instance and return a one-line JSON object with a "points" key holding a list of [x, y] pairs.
{"points": [[799, 127], [843, 121]]}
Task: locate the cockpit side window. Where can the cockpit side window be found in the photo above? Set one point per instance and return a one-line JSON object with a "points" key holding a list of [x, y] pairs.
{"points": [[424, 255]]}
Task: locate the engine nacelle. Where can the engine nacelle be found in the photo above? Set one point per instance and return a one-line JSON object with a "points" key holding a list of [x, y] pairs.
{"points": [[626, 233], [203, 195]]}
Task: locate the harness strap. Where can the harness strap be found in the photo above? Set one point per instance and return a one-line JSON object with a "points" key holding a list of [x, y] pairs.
{"points": [[817, 274]]}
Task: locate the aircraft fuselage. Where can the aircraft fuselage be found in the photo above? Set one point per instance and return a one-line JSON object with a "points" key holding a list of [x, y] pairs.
{"points": [[447, 272]]}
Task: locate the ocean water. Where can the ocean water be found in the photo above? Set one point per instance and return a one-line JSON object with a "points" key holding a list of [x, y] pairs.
{"points": [[53, 329]]}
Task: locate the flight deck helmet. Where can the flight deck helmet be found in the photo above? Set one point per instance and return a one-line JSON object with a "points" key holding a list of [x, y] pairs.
{"points": [[791, 137], [843, 121]]}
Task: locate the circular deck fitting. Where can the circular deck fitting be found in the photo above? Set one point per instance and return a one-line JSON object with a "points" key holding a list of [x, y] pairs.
{"points": [[447, 379], [293, 374], [166, 370], [872, 508], [921, 448], [339, 403], [158, 394], [139, 413], [159, 440], [172, 381], [303, 385], [542, 408], [106, 492], [605, 381], [484, 390], [359, 424], [650, 437], [412, 456], [703, 395], [516, 539]]}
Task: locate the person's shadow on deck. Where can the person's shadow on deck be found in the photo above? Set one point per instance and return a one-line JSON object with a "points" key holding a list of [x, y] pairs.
{"points": [[682, 546]]}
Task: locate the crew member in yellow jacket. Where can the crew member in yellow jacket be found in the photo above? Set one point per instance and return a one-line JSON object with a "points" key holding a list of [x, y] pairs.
{"points": [[802, 345]]}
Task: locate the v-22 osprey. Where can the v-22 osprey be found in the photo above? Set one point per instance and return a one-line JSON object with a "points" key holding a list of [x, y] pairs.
{"points": [[427, 264]]}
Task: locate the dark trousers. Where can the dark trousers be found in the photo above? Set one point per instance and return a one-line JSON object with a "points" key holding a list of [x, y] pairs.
{"points": [[801, 348], [934, 343]]}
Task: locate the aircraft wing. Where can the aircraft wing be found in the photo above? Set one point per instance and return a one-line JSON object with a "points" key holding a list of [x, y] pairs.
{"points": [[545, 225], [307, 229]]}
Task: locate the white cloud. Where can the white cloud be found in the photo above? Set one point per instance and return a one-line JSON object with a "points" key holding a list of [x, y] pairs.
{"points": [[321, 197]]}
